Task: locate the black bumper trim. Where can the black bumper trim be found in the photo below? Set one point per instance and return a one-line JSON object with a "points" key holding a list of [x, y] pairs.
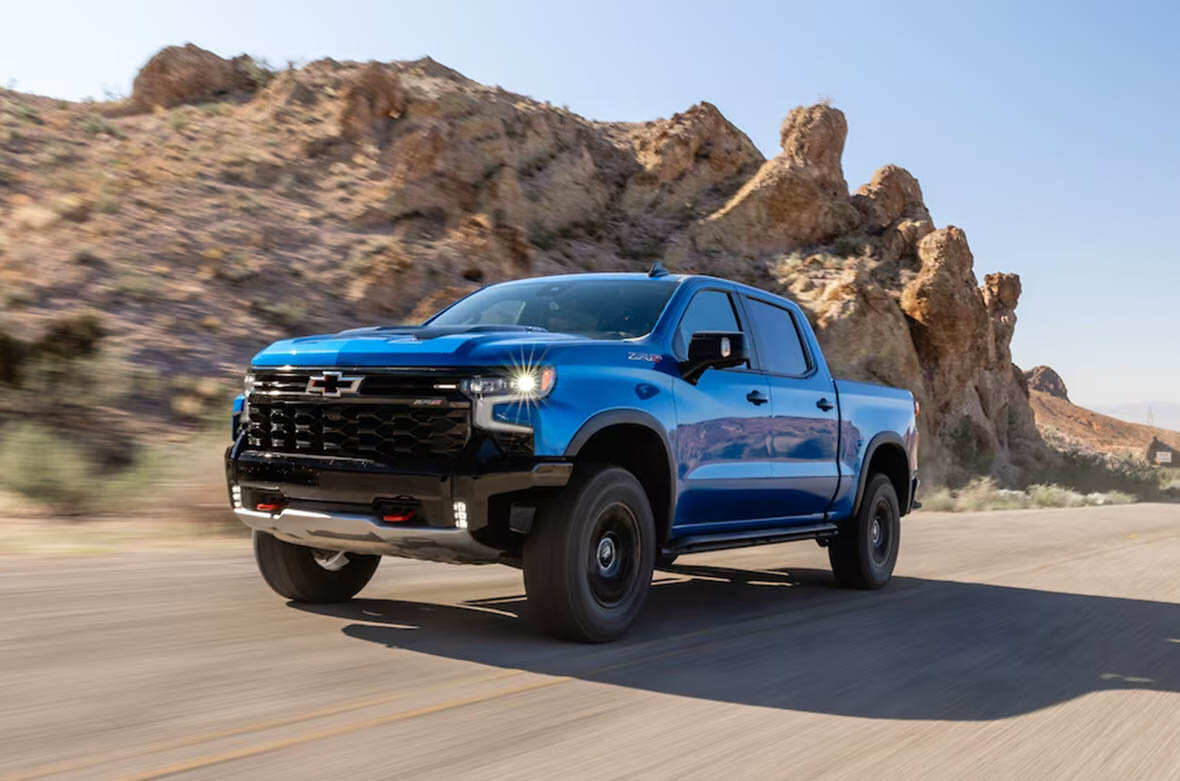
{"points": [[360, 486]]}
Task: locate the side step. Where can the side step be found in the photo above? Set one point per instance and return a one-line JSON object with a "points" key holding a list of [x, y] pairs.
{"points": [[698, 543]]}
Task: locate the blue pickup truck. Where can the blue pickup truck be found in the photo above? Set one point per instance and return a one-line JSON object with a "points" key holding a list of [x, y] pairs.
{"points": [[585, 428]]}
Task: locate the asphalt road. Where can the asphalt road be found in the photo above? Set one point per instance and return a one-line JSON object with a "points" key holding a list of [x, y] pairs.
{"points": [[1034, 644]]}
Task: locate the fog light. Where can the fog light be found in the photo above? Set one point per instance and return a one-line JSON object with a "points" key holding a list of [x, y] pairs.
{"points": [[460, 510], [235, 492]]}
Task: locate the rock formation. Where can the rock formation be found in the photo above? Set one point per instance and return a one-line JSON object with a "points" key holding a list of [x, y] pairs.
{"points": [[795, 199], [1045, 380], [188, 74]]}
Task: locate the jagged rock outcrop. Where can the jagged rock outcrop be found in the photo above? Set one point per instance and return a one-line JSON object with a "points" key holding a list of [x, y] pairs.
{"points": [[683, 160], [922, 322], [1045, 380], [187, 74], [892, 208], [796, 198], [373, 99]]}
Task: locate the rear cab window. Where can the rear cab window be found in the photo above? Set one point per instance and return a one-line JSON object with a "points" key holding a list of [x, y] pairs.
{"points": [[780, 344]]}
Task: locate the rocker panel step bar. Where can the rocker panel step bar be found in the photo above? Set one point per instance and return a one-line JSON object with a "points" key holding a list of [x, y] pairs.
{"points": [[699, 543]]}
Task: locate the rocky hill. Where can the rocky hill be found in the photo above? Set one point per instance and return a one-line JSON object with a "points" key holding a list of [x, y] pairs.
{"points": [[222, 205], [1045, 380], [1095, 431]]}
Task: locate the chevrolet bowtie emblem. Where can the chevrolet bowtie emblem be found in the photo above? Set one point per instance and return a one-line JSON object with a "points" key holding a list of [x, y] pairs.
{"points": [[332, 385]]}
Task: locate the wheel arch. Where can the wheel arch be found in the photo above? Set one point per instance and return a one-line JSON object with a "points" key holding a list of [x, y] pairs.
{"points": [[886, 454], [638, 442]]}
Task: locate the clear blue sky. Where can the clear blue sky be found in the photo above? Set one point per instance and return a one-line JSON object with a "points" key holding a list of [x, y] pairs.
{"points": [[1048, 133]]}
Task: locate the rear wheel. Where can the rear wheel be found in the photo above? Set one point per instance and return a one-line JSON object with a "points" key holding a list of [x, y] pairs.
{"points": [[309, 574], [865, 551], [589, 559]]}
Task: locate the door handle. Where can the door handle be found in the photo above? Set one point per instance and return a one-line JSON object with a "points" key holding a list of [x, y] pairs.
{"points": [[824, 404], [756, 397]]}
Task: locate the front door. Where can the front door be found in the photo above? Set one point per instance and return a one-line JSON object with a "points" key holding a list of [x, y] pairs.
{"points": [[722, 441]]}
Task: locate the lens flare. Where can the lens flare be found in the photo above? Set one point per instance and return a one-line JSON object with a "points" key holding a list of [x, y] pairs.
{"points": [[525, 382]]}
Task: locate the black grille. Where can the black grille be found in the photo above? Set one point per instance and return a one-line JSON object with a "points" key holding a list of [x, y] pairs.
{"points": [[380, 432]]}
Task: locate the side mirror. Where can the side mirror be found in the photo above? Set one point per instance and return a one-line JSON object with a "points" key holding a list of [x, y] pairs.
{"points": [[713, 350]]}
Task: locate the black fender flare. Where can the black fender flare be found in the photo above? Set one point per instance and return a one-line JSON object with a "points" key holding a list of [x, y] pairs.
{"points": [[884, 438], [631, 417]]}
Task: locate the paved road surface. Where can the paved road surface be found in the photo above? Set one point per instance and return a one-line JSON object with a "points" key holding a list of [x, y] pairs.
{"points": [[1038, 644]]}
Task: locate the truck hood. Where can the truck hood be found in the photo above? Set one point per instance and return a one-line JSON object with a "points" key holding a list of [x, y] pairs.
{"points": [[418, 346]]}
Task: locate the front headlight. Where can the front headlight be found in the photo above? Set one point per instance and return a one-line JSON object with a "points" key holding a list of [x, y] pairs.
{"points": [[248, 383], [533, 383]]}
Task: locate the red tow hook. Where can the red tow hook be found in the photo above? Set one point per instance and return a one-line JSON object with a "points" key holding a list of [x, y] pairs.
{"points": [[408, 515], [268, 507]]}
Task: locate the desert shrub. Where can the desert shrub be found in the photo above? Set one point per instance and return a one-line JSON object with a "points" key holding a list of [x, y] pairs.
{"points": [[849, 246], [87, 257], [42, 465], [541, 237], [285, 313], [52, 468], [233, 267], [96, 125], [938, 500], [67, 339], [12, 355], [259, 71], [72, 336], [25, 112], [1051, 495], [136, 285], [56, 155], [1169, 480], [178, 120], [983, 493], [1110, 497]]}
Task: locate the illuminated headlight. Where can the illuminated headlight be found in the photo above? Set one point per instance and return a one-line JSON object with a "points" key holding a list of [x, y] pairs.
{"points": [[248, 383], [460, 510], [522, 383]]}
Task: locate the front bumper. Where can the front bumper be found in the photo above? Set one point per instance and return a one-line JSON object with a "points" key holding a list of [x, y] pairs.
{"points": [[339, 504], [362, 533]]}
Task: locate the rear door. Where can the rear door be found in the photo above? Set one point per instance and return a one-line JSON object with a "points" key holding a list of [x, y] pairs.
{"points": [[805, 425], [721, 442]]}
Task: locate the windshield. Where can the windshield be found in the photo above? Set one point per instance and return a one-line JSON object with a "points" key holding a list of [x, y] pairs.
{"points": [[598, 308]]}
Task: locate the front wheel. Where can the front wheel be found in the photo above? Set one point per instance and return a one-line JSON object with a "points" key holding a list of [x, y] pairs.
{"points": [[309, 574], [865, 551], [588, 561]]}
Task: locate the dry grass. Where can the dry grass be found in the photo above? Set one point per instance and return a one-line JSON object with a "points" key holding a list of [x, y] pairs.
{"points": [[984, 494]]}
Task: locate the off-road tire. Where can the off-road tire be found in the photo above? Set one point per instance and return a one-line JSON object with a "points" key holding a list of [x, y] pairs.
{"points": [[293, 572], [580, 587], [860, 559]]}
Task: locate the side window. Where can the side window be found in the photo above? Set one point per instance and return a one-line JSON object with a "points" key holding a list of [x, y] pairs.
{"points": [[709, 310], [779, 346]]}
